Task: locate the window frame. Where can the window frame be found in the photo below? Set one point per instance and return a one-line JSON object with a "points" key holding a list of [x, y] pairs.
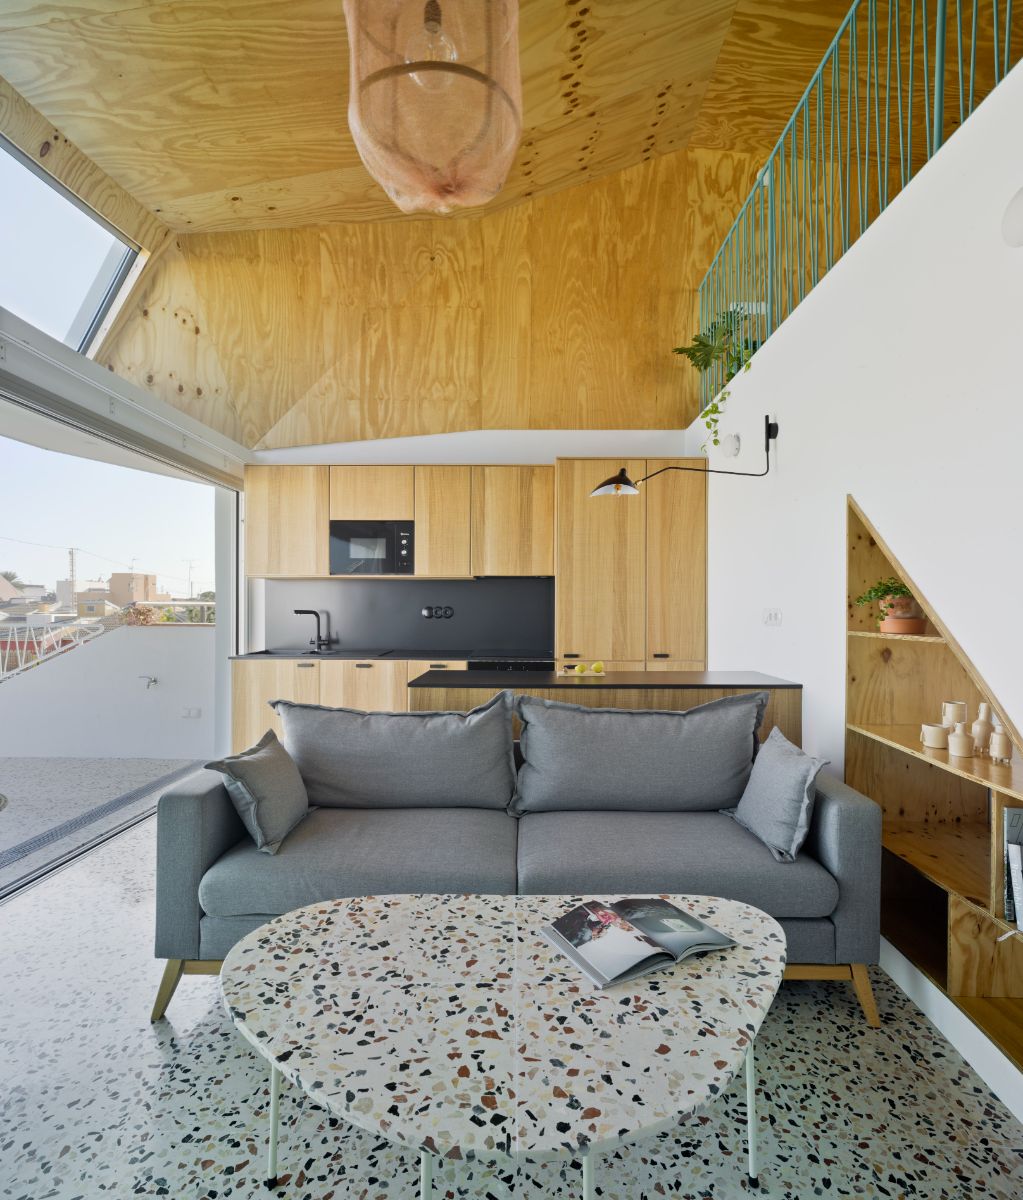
{"points": [[128, 259]]}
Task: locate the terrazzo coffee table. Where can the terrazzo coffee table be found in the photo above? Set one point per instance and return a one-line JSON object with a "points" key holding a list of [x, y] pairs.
{"points": [[449, 1026]]}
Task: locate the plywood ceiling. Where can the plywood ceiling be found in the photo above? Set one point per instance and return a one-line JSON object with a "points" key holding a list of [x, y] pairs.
{"points": [[231, 115]]}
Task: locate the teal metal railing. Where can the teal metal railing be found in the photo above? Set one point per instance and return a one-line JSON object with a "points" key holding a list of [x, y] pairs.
{"points": [[897, 80]]}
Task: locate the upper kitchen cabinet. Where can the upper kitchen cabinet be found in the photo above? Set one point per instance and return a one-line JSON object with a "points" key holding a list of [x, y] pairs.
{"points": [[513, 520], [676, 563], [286, 521], [600, 606], [442, 498], [372, 493]]}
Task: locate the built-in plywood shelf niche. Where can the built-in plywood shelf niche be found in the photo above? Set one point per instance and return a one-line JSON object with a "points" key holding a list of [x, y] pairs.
{"points": [[943, 878]]}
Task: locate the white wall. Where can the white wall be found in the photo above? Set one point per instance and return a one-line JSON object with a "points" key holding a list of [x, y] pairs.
{"points": [[490, 446], [898, 381], [91, 703]]}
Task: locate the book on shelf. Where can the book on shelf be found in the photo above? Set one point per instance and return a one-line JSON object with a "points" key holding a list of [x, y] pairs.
{"points": [[1013, 818], [1016, 874], [613, 943]]}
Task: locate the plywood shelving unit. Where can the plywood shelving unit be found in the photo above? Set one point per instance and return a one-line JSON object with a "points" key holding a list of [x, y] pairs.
{"points": [[943, 844]]}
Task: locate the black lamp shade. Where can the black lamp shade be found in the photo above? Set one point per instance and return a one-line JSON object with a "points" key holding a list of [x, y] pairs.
{"points": [[617, 485]]}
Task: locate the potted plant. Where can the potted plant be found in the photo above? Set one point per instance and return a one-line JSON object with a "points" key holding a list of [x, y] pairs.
{"points": [[899, 611], [725, 341]]}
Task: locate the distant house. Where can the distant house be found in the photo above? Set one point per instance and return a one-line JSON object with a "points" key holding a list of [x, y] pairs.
{"points": [[96, 606], [33, 591], [133, 587], [82, 586], [9, 592]]}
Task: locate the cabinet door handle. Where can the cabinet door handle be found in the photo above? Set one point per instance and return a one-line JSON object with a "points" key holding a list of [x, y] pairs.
{"points": [[570, 656], [662, 656], [438, 666], [305, 666], [364, 666]]}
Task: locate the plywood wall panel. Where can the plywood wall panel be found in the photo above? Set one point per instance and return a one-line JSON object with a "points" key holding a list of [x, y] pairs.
{"points": [[560, 313]]}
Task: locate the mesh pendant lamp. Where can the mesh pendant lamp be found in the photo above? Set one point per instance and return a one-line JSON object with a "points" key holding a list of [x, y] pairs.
{"points": [[435, 101]]}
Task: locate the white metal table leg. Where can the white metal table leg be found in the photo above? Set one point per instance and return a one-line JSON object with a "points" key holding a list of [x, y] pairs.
{"points": [[588, 1177], [425, 1175], [275, 1115], [751, 1114]]}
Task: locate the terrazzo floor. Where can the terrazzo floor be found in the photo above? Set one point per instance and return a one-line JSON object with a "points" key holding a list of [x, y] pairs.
{"points": [[96, 1102]]}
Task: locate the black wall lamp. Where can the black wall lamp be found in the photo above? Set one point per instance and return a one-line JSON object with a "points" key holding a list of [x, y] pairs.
{"points": [[622, 485]]}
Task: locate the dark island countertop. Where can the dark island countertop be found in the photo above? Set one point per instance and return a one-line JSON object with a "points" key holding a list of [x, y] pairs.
{"points": [[654, 680]]}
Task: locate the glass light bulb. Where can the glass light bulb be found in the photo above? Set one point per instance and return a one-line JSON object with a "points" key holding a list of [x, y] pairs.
{"points": [[431, 44]]}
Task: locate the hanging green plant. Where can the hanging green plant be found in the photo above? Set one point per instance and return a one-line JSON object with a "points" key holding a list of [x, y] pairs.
{"points": [[726, 340]]}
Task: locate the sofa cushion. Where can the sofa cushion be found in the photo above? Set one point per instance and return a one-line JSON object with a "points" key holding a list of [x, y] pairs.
{"points": [[702, 853], [640, 760], [266, 790], [360, 852], [777, 805], [353, 759]]}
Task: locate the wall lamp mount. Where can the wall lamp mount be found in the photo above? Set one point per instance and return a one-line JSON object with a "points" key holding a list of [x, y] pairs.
{"points": [[622, 485]]}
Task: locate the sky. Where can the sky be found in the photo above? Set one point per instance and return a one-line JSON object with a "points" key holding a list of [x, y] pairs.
{"points": [[50, 251], [112, 513], [120, 519]]}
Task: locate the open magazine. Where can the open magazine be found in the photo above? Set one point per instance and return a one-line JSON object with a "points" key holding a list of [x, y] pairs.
{"points": [[613, 943]]}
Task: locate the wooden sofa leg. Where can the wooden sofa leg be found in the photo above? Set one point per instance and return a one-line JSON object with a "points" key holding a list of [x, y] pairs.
{"points": [[865, 995], [172, 972]]}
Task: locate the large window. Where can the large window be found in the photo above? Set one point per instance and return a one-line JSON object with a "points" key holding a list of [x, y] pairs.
{"points": [[60, 264]]}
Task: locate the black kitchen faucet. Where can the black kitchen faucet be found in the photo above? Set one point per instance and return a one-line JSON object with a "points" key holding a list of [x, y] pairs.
{"points": [[319, 643]]}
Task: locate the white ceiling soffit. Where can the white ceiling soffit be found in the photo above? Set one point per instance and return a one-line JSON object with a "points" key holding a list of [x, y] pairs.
{"points": [[49, 380], [496, 446]]}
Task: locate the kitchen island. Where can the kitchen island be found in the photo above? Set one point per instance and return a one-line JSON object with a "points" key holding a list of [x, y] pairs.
{"points": [[673, 690]]}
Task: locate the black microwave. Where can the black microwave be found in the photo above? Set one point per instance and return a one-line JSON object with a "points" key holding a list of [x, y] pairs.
{"points": [[372, 548]]}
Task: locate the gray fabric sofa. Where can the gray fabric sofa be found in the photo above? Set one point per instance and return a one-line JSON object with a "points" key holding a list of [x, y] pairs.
{"points": [[214, 886]]}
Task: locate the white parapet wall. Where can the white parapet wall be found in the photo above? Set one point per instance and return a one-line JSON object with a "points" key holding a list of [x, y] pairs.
{"points": [[897, 381], [93, 701]]}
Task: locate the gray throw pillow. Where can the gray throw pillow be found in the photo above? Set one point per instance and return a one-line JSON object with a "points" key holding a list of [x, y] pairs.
{"points": [[354, 759], [266, 789], [645, 760], [777, 805]]}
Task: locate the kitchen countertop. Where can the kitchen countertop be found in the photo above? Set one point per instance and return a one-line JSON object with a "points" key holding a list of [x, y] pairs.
{"points": [[655, 680], [361, 655]]}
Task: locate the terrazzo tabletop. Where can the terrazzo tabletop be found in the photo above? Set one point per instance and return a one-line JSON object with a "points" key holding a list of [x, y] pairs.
{"points": [[448, 1024]]}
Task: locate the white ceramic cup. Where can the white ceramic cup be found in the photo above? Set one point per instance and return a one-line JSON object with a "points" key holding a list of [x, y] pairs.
{"points": [[935, 737], [952, 712]]}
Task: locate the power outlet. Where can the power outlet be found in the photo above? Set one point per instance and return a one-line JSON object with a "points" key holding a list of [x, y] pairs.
{"points": [[772, 616], [191, 713]]}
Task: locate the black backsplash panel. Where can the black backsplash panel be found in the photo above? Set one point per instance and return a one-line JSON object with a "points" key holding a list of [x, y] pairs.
{"points": [[496, 615]]}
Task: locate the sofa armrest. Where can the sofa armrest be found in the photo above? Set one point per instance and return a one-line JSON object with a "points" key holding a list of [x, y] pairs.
{"points": [[845, 837], [195, 824]]}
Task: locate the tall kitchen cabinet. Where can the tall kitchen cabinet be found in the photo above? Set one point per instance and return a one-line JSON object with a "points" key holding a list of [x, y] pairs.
{"points": [[631, 570], [676, 566], [600, 565]]}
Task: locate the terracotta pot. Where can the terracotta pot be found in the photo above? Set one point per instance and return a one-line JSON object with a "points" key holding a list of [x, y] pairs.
{"points": [[901, 614], [903, 625]]}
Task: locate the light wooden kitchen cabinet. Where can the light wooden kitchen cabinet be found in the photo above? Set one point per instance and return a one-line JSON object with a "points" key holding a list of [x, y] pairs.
{"points": [[419, 667], [513, 520], [286, 523], [669, 664], [600, 556], [371, 493], [442, 499], [373, 684], [676, 564], [254, 682]]}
